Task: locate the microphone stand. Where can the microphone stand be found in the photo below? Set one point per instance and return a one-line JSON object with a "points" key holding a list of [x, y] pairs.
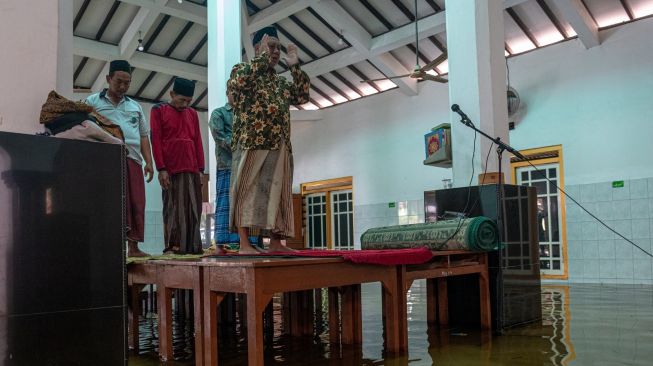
{"points": [[501, 147]]}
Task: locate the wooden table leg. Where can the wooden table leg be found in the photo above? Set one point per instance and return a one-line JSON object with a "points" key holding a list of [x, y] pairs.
{"points": [[198, 313], [135, 291], [394, 305], [295, 316], [485, 309], [443, 302], [256, 303], [211, 301], [352, 330], [334, 316], [164, 309], [431, 301], [307, 312]]}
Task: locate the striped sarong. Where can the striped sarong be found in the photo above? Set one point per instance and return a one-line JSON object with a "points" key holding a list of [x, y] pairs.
{"points": [[261, 191], [222, 233], [182, 209]]}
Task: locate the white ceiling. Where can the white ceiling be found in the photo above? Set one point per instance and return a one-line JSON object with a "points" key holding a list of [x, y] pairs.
{"points": [[174, 36]]}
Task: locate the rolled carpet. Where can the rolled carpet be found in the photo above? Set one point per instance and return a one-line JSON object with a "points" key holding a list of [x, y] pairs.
{"points": [[476, 234]]}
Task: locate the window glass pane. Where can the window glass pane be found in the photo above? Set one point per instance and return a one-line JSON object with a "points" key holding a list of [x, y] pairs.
{"points": [[524, 176], [542, 219], [555, 250], [343, 230], [553, 172], [544, 251], [545, 265], [351, 206], [342, 206], [556, 264], [540, 186], [538, 175], [552, 187], [351, 229], [349, 196], [555, 232], [317, 231]]}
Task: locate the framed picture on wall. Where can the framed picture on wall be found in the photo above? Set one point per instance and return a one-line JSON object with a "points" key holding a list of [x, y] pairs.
{"points": [[437, 146]]}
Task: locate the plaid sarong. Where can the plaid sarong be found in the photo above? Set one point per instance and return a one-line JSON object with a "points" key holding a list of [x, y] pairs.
{"points": [[222, 234]]}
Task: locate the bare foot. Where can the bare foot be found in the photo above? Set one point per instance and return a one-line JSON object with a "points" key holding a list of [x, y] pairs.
{"points": [[214, 251], [136, 253], [276, 245], [248, 250]]}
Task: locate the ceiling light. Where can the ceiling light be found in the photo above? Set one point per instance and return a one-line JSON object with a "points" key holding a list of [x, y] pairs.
{"points": [[180, 1], [140, 42], [341, 39]]}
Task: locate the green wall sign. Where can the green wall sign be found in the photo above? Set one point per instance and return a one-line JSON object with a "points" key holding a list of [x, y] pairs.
{"points": [[391, 204], [618, 184]]}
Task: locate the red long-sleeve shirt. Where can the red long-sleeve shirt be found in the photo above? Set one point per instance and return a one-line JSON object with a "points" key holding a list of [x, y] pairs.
{"points": [[176, 139]]}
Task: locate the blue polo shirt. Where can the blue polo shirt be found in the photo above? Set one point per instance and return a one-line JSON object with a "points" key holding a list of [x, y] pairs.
{"points": [[129, 115]]}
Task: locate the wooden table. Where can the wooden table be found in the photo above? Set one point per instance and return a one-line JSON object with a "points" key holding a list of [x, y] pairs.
{"points": [[168, 275], [261, 278], [444, 264]]}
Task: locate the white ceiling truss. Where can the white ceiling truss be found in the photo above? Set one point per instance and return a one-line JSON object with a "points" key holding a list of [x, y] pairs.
{"points": [[340, 42]]}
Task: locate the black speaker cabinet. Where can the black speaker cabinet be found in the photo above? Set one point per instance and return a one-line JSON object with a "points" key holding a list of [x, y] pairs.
{"points": [[516, 275], [62, 260]]}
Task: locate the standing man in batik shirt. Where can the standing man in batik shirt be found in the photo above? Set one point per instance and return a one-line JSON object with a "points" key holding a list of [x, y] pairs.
{"points": [[179, 158], [221, 125], [113, 104], [262, 165]]}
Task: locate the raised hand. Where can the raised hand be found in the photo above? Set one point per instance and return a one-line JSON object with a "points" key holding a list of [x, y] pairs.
{"points": [[263, 45], [291, 55]]}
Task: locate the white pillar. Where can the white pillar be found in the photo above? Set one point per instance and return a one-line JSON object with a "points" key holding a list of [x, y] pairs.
{"points": [[30, 60], [65, 73], [224, 51], [477, 83]]}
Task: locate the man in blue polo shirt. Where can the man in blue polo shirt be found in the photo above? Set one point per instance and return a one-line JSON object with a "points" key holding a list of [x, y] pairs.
{"points": [[113, 104]]}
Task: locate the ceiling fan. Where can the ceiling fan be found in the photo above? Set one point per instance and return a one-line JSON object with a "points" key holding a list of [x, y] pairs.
{"points": [[419, 72]]}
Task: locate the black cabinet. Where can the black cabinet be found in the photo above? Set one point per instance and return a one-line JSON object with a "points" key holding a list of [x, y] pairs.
{"points": [[516, 275], [62, 260]]}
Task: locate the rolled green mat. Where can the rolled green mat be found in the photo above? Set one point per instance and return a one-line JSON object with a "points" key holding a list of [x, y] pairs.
{"points": [[476, 234]]}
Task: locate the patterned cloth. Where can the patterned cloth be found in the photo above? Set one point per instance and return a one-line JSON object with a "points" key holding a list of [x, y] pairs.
{"points": [[261, 191], [57, 106], [477, 233], [182, 209], [262, 101]]}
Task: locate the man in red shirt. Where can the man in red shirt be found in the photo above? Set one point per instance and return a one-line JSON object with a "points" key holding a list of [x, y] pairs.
{"points": [[179, 158]]}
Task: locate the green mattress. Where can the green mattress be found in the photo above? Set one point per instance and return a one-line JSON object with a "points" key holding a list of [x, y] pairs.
{"points": [[476, 234]]}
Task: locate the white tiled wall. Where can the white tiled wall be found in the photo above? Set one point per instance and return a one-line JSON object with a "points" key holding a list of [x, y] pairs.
{"points": [[595, 253], [153, 243]]}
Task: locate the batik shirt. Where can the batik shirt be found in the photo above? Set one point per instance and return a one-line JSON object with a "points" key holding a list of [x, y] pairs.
{"points": [[262, 101]]}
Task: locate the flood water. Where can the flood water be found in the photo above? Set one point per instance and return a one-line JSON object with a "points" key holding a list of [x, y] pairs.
{"points": [[581, 325]]}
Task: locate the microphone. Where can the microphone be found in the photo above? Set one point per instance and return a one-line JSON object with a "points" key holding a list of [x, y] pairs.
{"points": [[462, 114]]}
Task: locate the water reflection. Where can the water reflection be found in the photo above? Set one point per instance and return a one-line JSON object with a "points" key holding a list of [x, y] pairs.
{"points": [[611, 325]]}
